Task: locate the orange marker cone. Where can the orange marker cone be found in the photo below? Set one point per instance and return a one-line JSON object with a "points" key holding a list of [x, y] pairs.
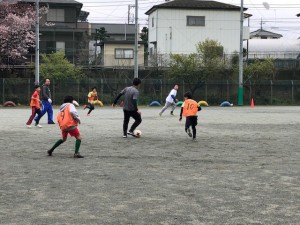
{"points": [[252, 103]]}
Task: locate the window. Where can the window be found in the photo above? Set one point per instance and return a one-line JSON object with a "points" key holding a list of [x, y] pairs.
{"points": [[152, 21], [60, 46], [195, 21], [56, 15], [122, 53]]}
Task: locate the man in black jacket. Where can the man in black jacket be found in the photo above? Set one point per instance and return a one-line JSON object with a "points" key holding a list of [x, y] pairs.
{"points": [[47, 102]]}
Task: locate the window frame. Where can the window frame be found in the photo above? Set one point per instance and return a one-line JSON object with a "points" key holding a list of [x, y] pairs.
{"points": [[123, 54], [52, 15], [200, 23]]}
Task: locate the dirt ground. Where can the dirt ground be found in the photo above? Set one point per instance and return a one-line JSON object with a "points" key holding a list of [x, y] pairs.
{"points": [[243, 169]]}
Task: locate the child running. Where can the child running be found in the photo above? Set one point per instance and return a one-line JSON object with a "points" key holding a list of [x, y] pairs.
{"points": [[35, 107], [68, 121], [189, 109], [92, 100]]}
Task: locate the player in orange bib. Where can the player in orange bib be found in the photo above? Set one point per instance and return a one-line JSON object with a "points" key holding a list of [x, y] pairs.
{"points": [[189, 109], [68, 121]]}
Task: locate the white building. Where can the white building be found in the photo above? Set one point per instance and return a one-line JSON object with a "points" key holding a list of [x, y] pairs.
{"points": [[176, 27], [273, 48]]}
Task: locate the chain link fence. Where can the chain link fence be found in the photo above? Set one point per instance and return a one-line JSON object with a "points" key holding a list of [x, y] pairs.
{"points": [[269, 92]]}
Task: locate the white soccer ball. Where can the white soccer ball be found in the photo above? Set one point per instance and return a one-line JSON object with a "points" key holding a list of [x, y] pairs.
{"points": [[137, 133], [75, 103]]}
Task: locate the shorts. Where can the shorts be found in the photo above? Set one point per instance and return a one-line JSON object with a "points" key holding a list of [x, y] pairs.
{"points": [[191, 121], [73, 133]]}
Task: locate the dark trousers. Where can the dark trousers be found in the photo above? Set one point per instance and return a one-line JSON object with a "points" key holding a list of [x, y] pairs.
{"points": [[91, 107], [191, 121], [34, 111], [136, 116]]}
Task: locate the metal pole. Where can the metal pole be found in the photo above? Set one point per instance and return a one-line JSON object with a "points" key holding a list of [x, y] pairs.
{"points": [[37, 44], [136, 66], [240, 90], [292, 92]]}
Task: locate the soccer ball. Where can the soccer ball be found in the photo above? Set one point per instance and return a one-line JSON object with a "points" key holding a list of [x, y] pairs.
{"points": [[75, 103], [137, 133]]}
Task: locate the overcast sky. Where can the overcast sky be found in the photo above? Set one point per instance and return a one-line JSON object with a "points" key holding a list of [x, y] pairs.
{"points": [[278, 16]]}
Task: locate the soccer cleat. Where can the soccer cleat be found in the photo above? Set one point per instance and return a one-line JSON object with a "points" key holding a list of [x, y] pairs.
{"points": [[49, 152], [124, 136], [38, 125], [171, 113], [88, 114], [131, 133], [29, 126], [188, 131], [77, 155], [51, 122]]}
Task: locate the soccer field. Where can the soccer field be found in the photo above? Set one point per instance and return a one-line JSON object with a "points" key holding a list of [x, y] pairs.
{"points": [[243, 169]]}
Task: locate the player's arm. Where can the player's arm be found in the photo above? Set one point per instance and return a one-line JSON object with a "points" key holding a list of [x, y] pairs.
{"points": [[74, 113], [174, 98], [180, 116], [117, 98]]}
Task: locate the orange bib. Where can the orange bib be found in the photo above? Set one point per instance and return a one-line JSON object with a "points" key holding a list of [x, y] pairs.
{"points": [[190, 108], [65, 119]]}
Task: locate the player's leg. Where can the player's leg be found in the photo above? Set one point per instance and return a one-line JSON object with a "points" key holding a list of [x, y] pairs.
{"points": [[50, 114], [125, 122], [58, 143], [91, 107], [75, 133], [173, 108], [194, 124], [164, 108], [39, 113], [44, 110], [187, 126], [33, 112], [137, 120]]}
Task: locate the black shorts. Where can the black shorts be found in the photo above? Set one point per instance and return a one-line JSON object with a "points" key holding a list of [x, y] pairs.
{"points": [[191, 121]]}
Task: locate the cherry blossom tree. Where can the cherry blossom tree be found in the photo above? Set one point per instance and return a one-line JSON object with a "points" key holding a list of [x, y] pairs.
{"points": [[17, 35]]}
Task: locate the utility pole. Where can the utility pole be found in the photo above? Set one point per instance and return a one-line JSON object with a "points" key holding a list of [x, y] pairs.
{"points": [[37, 43], [136, 65], [241, 85]]}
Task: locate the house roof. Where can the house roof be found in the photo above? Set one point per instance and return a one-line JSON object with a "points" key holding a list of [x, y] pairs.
{"points": [[54, 1], [113, 28], [194, 4], [262, 32]]}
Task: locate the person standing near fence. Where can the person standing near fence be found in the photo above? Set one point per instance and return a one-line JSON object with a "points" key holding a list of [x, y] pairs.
{"points": [[35, 104], [130, 108], [170, 101], [47, 102]]}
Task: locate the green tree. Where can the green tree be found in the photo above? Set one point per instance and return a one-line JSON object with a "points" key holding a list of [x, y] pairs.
{"points": [[255, 74], [101, 35], [144, 37], [196, 68], [56, 66]]}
